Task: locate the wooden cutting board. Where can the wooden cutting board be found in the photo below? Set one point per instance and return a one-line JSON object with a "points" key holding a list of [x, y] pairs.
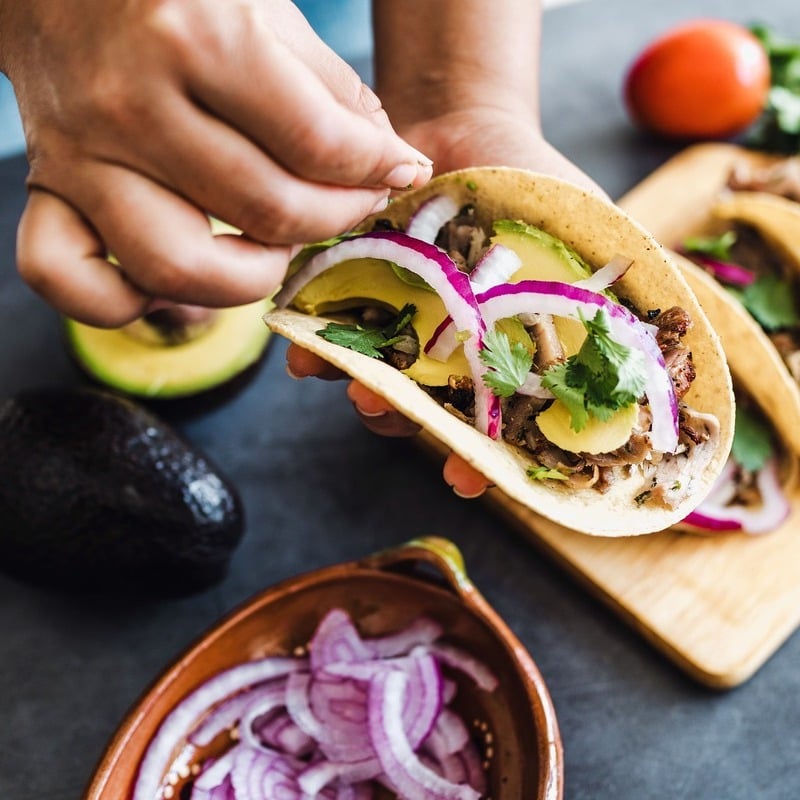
{"points": [[719, 607]]}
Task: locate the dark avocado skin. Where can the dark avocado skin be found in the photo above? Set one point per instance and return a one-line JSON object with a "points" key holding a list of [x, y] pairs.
{"points": [[97, 492]]}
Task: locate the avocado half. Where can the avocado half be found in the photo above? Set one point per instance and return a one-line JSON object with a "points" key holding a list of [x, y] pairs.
{"points": [[232, 342]]}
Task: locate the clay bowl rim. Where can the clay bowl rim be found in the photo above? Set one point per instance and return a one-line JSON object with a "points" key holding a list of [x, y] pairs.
{"points": [[445, 557]]}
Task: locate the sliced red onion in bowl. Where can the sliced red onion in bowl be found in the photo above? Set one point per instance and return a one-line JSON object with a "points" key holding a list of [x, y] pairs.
{"points": [[569, 300], [311, 733], [773, 511], [403, 767], [185, 715], [420, 631], [426, 222]]}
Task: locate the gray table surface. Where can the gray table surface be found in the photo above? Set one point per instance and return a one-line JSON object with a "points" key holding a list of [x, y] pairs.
{"points": [[633, 726]]}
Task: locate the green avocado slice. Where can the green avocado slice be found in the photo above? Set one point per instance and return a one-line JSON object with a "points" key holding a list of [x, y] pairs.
{"points": [[235, 340], [371, 281]]}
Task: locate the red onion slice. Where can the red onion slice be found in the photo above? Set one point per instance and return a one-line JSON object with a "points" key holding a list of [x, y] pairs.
{"points": [[774, 509], [430, 216], [724, 271], [404, 769], [185, 715], [569, 300], [420, 631], [336, 641], [459, 659], [607, 275], [494, 267], [230, 711]]}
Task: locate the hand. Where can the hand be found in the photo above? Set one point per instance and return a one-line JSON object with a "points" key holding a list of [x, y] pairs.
{"points": [[143, 117], [379, 416]]}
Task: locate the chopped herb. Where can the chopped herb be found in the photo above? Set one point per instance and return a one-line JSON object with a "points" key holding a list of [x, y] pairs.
{"points": [[509, 363], [770, 301], [642, 497], [546, 474], [752, 440], [472, 186], [675, 486], [601, 378], [718, 247], [368, 341], [778, 127]]}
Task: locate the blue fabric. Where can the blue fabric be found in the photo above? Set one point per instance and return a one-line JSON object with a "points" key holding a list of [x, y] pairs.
{"points": [[11, 139], [344, 24]]}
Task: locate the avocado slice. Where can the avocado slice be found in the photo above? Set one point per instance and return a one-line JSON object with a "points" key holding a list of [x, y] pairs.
{"points": [[371, 281], [144, 361], [545, 258]]}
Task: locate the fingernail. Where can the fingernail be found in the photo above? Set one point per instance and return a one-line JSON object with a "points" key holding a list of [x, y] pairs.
{"points": [[466, 495], [402, 176], [371, 414], [381, 205]]}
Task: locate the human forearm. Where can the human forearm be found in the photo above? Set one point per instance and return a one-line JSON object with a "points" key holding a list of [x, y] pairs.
{"points": [[435, 58]]}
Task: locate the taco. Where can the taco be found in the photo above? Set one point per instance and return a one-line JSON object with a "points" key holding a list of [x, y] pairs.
{"points": [[481, 307], [752, 493], [751, 246]]}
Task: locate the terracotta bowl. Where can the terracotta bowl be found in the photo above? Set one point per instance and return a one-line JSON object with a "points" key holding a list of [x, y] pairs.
{"points": [[382, 593]]}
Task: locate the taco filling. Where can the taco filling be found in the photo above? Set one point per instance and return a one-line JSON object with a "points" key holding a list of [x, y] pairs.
{"points": [[750, 494], [760, 277], [513, 332]]}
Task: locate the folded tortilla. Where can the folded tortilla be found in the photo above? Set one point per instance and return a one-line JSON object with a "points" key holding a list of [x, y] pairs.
{"points": [[597, 230]]}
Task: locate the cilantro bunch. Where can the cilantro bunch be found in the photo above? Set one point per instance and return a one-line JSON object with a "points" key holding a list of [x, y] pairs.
{"points": [[601, 378], [778, 128]]}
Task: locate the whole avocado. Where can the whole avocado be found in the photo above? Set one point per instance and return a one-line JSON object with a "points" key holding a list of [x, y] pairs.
{"points": [[96, 491]]}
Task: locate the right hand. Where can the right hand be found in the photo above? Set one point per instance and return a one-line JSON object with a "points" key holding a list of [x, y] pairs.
{"points": [[143, 117]]}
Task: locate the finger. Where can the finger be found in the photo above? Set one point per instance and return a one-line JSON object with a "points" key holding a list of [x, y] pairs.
{"points": [[302, 363], [314, 135], [61, 257], [377, 414], [341, 80], [465, 480], [164, 244], [244, 187]]}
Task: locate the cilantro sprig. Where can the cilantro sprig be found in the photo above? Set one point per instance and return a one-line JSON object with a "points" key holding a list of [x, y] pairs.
{"points": [[770, 301], [509, 363], [369, 341], [718, 247], [601, 378], [778, 127], [752, 440]]}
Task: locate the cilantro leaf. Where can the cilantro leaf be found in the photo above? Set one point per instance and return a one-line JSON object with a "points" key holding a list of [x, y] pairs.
{"points": [[770, 301], [509, 363], [540, 473], [602, 377], [752, 440], [778, 127], [368, 340], [718, 247]]}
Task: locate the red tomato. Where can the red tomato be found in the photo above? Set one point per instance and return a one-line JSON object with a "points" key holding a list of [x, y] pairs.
{"points": [[705, 79]]}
